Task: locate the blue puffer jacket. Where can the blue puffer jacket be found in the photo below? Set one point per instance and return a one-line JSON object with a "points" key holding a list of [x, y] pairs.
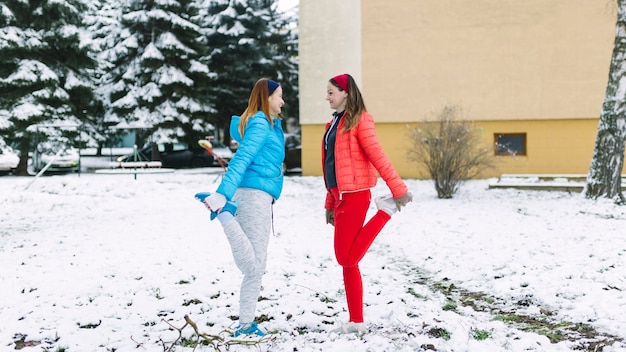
{"points": [[258, 162]]}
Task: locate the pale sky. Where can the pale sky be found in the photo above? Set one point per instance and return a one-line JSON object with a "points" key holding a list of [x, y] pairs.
{"points": [[285, 5]]}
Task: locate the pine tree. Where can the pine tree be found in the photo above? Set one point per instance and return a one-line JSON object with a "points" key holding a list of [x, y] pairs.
{"points": [[249, 39], [103, 22], [43, 80], [157, 78], [605, 172]]}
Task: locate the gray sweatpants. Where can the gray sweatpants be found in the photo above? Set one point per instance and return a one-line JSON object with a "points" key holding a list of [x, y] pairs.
{"points": [[248, 233]]}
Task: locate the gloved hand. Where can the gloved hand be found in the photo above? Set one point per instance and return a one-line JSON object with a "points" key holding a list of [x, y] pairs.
{"points": [[403, 200], [215, 201], [330, 217]]}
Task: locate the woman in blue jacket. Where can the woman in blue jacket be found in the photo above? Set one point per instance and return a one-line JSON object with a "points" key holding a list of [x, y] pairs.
{"points": [[243, 201]]}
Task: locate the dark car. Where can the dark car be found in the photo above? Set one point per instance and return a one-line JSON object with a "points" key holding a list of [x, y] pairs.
{"points": [[172, 155], [293, 153]]}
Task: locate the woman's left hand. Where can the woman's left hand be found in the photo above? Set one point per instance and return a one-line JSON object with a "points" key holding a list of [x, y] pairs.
{"points": [[403, 200], [330, 217]]}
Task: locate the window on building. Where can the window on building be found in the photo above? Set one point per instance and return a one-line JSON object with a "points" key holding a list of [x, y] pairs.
{"points": [[510, 143]]}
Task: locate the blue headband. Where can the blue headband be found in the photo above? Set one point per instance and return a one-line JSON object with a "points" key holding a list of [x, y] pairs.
{"points": [[271, 86]]}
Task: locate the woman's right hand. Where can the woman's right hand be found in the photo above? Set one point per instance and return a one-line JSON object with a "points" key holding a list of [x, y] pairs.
{"points": [[330, 217], [215, 201]]}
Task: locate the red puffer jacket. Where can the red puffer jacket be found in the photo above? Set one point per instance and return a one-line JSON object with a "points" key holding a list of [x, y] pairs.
{"points": [[358, 158]]}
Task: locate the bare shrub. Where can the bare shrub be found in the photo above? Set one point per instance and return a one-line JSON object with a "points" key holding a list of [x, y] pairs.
{"points": [[450, 149]]}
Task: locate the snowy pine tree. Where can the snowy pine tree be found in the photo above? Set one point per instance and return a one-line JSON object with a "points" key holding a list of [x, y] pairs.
{"points": [[103, 22], [43, 81], [249, 39], [605, 172], [176, 67], [157, 77]]}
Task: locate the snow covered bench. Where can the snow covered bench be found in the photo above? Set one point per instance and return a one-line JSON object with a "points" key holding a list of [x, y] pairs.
{"points": [[542, 182], [136, 164]]}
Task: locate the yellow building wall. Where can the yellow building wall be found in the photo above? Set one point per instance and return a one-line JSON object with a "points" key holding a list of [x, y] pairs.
{"points": [[533, 66], [552, 146], [499, 59]]}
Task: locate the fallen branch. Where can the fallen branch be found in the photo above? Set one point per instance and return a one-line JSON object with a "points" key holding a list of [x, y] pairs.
{"points": [[217, 342]]}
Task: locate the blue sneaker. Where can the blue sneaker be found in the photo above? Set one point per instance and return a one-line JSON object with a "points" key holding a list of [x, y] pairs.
{"points": [[231, 206], [253, 329]]}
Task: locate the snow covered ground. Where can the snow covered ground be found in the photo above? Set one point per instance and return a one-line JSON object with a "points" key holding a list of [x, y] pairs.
{"points": [[95, 262]]}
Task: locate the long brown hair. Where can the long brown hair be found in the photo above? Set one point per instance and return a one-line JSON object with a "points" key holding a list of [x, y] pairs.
{"points": [[355, 105], [259, 100]]}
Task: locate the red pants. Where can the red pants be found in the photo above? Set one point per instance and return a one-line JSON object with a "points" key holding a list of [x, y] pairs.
{"points": [[352, 240]]}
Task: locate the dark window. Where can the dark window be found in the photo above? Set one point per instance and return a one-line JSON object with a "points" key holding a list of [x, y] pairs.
{"points": [[510, 143]]}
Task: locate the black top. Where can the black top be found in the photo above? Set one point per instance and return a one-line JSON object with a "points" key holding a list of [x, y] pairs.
{"points": [[329, 146]]}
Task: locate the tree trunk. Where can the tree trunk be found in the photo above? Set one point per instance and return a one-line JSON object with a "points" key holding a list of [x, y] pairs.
{"points": [[22, 167], [605, 172]]}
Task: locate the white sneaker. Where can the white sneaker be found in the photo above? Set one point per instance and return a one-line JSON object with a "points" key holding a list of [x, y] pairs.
{"points": [[386, 204], [351, 328]]}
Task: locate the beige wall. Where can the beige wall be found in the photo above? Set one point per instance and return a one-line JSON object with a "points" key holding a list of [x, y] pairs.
{"points": [[499, 59], [532, 66], [330, 44]]}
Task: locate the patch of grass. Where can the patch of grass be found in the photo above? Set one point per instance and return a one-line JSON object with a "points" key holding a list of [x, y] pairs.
{"points": [[555, 332], [585, 336], [441, 287], [480, 335], [508, 318], [450, 305], [263, 318], [192, 342], [476, 300], [439, 333], [411, 291], [325, 299], [189, 302]]}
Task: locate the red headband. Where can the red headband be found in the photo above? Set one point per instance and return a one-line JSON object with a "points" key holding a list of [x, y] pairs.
{"points": [[342, 81]]}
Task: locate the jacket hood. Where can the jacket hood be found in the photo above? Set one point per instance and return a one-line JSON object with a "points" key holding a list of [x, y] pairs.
{"points": [[234, 128]]}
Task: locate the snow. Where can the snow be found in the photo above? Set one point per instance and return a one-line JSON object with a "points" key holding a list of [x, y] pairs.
{"points": [[169, 41], [10, 35], [31, 71], [152, 52], [149, 92], [96, 262], [169, 75], [199, 67], [71, 81]]}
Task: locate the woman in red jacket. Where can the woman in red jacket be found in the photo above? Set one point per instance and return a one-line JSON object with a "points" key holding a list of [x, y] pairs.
{"points": [[352, 159]]}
